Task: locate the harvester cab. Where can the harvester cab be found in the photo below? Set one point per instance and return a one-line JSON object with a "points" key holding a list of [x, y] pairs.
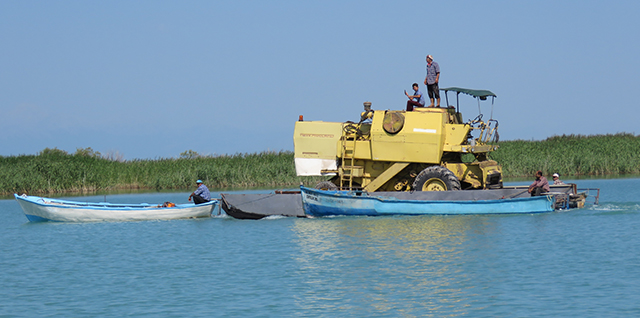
{"points": [[428, 149], [481, 132]]}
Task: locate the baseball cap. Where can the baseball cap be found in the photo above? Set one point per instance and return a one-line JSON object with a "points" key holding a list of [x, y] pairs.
{"points": [[556, 175], [198, 181]]}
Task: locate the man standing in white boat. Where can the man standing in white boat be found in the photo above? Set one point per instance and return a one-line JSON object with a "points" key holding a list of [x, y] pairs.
{"points": [[201, 195]]}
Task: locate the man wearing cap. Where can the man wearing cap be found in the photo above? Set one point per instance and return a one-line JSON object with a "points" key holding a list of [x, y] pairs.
{"points": [[556, 179], [539, 186], [432, 79], [201, 195]]}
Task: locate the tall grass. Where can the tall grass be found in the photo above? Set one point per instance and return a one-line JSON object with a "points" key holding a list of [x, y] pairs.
{"points": [[55, 171], [571, 155]]}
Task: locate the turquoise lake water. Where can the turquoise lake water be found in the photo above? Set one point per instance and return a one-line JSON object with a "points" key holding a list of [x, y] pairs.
{"points": [[579, 263]]}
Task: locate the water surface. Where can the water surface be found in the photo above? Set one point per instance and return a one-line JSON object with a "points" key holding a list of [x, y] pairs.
{"points": [[580, 263]]}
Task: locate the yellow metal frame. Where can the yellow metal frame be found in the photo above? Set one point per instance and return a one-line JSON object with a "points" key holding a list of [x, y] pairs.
{"points": [[374, 158]]}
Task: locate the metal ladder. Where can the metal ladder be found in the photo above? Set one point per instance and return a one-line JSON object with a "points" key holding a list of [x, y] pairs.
{"points": [[348, 160]]}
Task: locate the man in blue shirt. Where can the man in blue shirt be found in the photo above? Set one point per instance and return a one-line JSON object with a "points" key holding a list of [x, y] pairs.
{"points": [[417, 95], [432, 79], [201, 195]]}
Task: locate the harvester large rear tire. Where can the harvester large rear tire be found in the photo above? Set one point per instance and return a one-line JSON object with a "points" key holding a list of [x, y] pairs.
{"points": [[436, 178], [326, 185]]}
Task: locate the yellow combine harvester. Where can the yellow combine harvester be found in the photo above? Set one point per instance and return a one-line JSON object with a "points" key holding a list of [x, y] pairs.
{"points": [[428, 149]]}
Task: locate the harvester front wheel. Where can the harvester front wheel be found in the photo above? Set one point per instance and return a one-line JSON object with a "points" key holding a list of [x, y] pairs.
{"points": [[436, 178], [326, 185]]}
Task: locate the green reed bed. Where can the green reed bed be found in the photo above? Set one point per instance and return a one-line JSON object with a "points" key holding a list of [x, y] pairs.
{"points": [[571, 155], [55, 171]]}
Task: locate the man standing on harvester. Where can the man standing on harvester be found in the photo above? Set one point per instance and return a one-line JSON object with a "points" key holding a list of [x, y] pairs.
{"points": [[432, 79], [201, 195]]}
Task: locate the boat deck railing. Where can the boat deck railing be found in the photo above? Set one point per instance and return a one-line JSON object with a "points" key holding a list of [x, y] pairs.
{"points": [[588, 192], [566, 194]]}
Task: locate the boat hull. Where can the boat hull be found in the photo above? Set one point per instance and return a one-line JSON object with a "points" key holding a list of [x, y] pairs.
{"points": [[38, 209], [256, 206], [327, 203]]}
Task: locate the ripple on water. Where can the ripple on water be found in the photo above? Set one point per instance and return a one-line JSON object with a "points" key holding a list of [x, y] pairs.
{"points": [[571, 263]]}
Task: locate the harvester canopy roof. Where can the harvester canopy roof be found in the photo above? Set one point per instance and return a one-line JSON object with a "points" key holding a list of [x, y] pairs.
{"points": [[481, 93]]}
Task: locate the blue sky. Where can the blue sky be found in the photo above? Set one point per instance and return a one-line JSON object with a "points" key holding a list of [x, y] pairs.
{"points": [[152, 79]]}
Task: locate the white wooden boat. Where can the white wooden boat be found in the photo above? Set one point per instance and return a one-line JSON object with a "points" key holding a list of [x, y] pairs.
{"points": [[46, 209]]}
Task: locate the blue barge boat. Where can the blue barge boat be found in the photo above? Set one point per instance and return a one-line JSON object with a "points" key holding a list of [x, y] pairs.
{"points": [[500, 201]]}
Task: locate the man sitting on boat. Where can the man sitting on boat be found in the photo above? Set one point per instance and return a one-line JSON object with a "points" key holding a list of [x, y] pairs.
{"points": [[201, 195], [556, 179], [539, 186]]}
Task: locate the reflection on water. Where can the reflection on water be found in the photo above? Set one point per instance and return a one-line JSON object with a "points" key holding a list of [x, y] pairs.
{"points": [[401, 264]]}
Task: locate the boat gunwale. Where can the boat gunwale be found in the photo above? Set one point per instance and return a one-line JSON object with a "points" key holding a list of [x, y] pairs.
{"points": [[67, 204], [319, 203], [385, 199]]}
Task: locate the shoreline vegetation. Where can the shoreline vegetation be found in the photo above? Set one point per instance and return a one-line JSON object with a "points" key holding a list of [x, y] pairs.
{"points": [[87, 171]]}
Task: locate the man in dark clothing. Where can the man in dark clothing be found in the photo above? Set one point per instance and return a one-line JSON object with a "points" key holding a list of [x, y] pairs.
{"points": [[539, 186], [201, 195], [432, 79]]}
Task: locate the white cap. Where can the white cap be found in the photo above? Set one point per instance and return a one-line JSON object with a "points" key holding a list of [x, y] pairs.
{"points": [[556, 175]]}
